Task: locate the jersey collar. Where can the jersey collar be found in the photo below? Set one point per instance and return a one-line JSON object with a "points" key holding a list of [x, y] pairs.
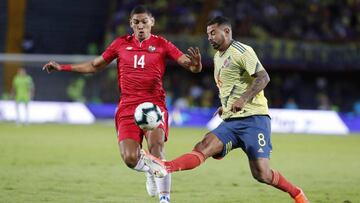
{"points": [[137, 42]]}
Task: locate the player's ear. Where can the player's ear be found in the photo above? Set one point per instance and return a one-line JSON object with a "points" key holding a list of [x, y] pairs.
{"points": [[152, 19], [227, 30]]}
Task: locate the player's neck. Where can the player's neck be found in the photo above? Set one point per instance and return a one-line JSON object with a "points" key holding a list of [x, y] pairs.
{"points": [[226, 46], [144, 39]]}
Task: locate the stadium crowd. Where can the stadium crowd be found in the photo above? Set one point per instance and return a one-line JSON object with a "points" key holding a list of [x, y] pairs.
{"points": [[301, 20]]}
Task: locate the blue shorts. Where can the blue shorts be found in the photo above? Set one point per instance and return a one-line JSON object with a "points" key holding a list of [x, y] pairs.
{"points": [[251, 134]]}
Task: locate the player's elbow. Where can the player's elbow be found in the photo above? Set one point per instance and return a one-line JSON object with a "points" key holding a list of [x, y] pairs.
{"points": [[94, 68], [266, 79], [97, 64]]}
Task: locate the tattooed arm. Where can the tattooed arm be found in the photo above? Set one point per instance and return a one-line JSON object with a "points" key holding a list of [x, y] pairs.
{"points": [[259, 83]]}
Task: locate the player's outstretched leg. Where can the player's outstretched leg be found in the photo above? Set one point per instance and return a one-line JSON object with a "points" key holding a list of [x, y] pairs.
{"points": [[210, 144], [185, 162]]}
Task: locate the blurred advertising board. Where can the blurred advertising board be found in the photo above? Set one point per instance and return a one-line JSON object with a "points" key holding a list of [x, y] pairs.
{"points": [[282, 120], [301, 121], [41, 112]]}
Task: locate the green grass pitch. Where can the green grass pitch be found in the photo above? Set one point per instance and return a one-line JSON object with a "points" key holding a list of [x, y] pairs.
{"points": [[81, 163]]}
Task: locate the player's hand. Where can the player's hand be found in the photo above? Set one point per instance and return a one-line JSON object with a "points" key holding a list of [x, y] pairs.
{"points": [[194, 56], [218, 111], [238, 105], [51, 66]]}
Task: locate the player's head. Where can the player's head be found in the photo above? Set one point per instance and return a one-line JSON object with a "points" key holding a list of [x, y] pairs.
{"points": [[141, 21], [219, 32], [21, 71]]}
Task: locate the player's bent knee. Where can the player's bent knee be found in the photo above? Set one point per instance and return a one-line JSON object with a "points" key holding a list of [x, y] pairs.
{"points": [[258, 178], [262, 177], [130, 160]]}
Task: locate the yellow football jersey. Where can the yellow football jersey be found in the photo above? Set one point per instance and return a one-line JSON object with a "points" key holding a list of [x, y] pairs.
{"points": [[232, 72]]}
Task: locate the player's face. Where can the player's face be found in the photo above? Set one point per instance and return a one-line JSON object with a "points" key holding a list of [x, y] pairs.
{"points": [[216, 36], [141, 24], [21, 71]]}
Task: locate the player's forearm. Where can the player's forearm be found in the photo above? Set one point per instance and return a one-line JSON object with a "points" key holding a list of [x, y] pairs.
{"points": [[258, 84], [87, 67]]}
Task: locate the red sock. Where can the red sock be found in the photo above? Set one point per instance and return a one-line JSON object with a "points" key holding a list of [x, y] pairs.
{"points": [[185, 162], [281, 183]]}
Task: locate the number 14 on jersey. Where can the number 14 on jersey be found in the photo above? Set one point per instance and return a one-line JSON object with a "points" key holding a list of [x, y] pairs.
{"points": [[139, 61]]}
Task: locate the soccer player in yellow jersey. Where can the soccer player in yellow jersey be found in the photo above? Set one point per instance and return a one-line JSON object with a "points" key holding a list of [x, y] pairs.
{"points": [[241, 79]]}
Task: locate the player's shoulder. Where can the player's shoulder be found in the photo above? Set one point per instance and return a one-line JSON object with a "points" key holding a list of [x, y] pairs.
{"points": [[217, 54], [240, 47], [159, 38], [126, 37], [122, 39]]}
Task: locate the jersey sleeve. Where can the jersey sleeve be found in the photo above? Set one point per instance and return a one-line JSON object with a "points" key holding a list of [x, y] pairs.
{"points": [[110, 53], [172, 51], [249, 61]]}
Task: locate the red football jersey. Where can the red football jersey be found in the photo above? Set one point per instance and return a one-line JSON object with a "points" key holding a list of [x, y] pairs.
{"points": [[141, 67]]}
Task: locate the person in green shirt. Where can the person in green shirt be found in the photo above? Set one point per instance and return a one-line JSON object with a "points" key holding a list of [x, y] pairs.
{"points": [[22, 91]]}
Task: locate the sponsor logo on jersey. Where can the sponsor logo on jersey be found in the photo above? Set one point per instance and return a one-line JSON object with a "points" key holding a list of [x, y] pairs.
{"points": [[261, 150], [129, 48], [151, 48]]}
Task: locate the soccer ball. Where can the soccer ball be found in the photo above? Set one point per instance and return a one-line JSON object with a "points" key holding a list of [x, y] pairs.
{"points": [[147, 116]]}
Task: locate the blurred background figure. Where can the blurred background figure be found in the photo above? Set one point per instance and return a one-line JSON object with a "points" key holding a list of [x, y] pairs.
{"points": [[22, 92], [28, 44], [75, 90], [323, 102], [291, 104], [356, 107]]}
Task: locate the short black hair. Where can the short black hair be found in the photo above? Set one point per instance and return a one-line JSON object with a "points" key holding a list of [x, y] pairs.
{"points": [[140, 9], [220, 20]]}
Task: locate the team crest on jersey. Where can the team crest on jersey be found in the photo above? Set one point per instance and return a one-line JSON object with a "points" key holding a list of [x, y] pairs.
{"points": [[151, 48], [226, 62]]}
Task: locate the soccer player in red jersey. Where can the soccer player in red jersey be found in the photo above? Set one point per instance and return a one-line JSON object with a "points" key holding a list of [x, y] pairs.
{"points": [[141, 66]]}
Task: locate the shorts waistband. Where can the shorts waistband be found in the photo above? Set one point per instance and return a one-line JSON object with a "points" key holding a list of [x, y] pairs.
{"points": [[241, 118]]}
